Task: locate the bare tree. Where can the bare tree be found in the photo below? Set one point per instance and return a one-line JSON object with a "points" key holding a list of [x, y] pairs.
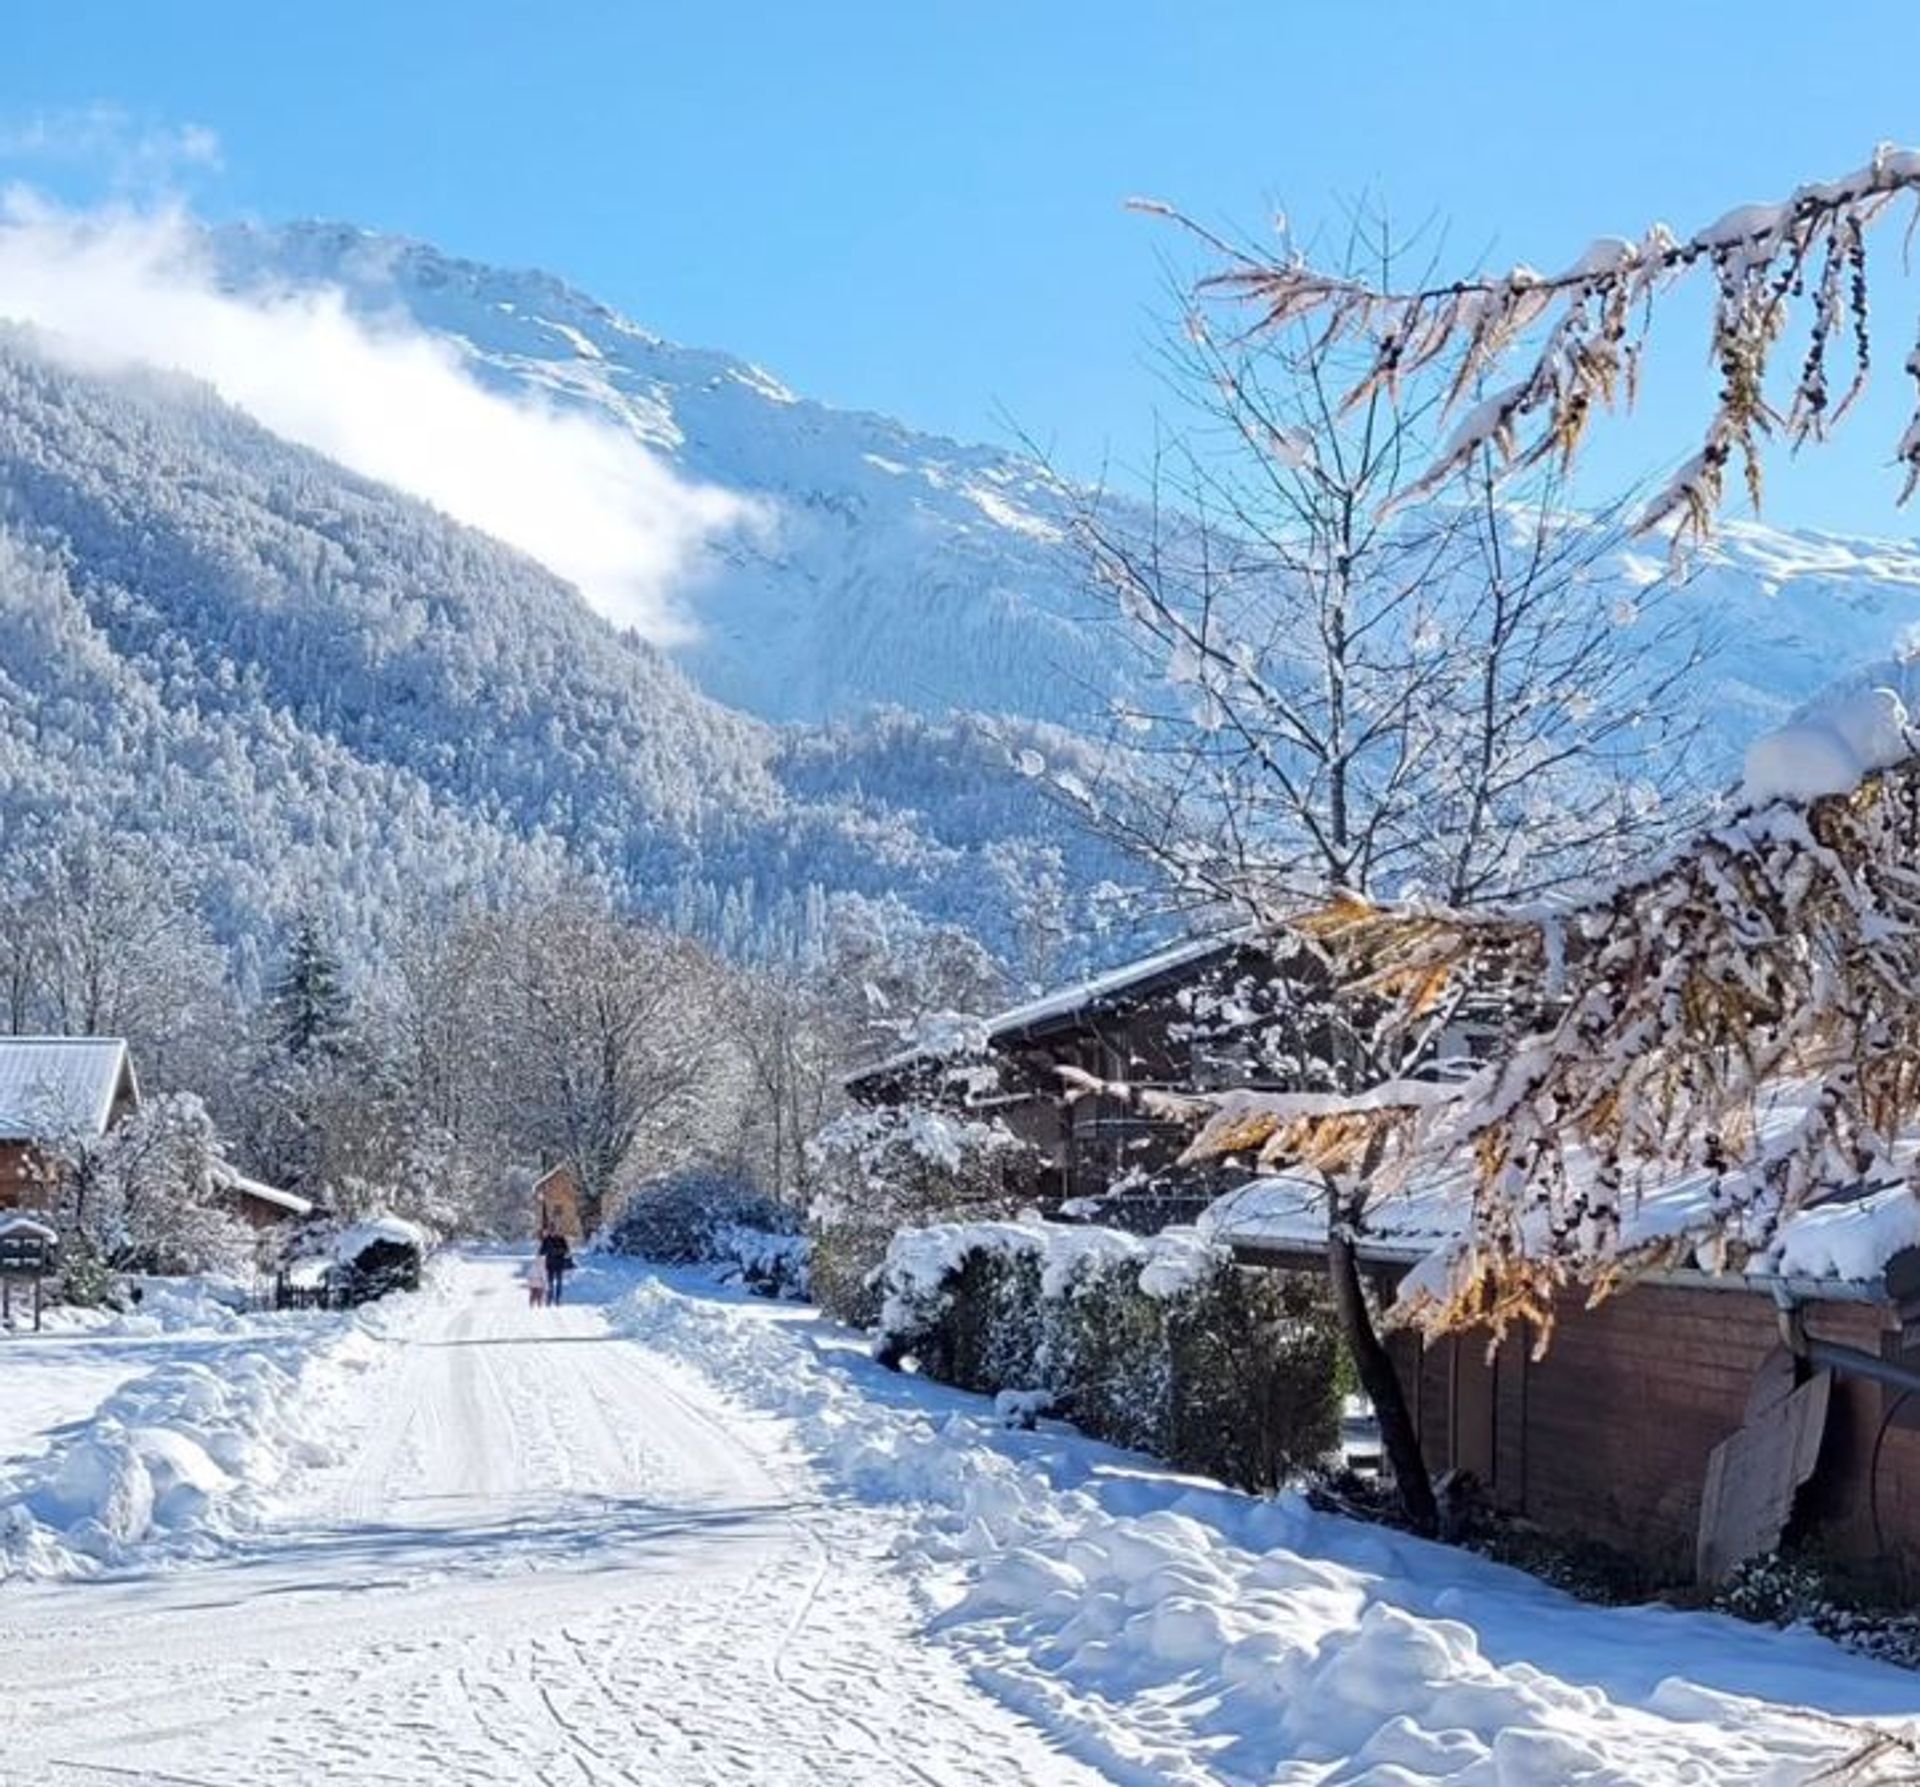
{"points": [[1345, 694], [610, 1038], [106, 939], [791, 1046]]}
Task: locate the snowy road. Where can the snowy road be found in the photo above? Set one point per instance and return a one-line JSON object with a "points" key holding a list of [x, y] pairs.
{"points": [[683, 1537], [552, 1559]]}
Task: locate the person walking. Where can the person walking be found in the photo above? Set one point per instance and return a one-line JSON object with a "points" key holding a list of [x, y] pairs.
{"points": [[558, 1259], [536, 1280]]}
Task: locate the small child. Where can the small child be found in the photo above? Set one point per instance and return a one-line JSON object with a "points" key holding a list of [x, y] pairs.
{"points": [[537, 1282]]}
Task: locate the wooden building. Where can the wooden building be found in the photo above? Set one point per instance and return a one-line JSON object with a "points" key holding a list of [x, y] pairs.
{"points": [[53, 1088], [1660, 1423], [56, 1089], [262, 1207], [1135, 1024], [556, 1204], [1204, 1015]]}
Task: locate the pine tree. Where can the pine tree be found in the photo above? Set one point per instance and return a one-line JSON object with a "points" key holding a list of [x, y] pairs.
{"points": [[309, 1013]]}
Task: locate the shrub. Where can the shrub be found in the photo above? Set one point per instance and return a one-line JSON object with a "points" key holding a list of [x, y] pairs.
{"points": [[1253, 1363], [881, 1171], [1162, 1345], [1110, 1347], [699, 1217], [845, 1257]]}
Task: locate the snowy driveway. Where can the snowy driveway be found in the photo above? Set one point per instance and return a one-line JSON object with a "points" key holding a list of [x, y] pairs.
{"points": [[552, 1560]]}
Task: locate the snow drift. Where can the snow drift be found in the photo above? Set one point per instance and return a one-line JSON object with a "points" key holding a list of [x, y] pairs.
{"points": [[183, 1461], [1168, 1631]]}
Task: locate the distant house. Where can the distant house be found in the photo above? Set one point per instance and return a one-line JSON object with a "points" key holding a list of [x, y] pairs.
{"points": [[1204, 1015], [556, 1203], [259, 1205], [58, 1089], [1692, 1418], [52, 1089]]}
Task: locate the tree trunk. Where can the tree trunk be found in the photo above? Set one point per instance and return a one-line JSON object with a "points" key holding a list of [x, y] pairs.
{"points": [[1398, 1434]]}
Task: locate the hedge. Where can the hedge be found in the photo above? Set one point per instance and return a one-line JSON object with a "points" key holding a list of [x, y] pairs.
{"points": [[1165, 1346]]}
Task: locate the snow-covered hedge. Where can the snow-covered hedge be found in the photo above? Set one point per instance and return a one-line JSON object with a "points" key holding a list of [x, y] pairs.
{"points": [[880, 1171], [706, 1218], [1164, 1345]]}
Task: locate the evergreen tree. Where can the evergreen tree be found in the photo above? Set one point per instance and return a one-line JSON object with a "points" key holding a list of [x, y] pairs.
{"points": [[308, 1011]]}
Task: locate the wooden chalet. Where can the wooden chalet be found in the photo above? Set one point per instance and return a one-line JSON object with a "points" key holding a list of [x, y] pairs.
{"points": [[56, 1089], [1204, 1015], [262, 1207], [1690, 1420], [556, 1204], [52, 1089]]}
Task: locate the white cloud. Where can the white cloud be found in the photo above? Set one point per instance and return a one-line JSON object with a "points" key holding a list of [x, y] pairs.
{"points": [[122, 287], [134, 153]]}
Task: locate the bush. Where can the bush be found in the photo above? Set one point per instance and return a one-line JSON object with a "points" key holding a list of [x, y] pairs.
{"points": [[844, 1260], [1110, 1346], [884, 1170], [704, 1218], [1830, 1596], [1254, 1380], [1165, 1346]]}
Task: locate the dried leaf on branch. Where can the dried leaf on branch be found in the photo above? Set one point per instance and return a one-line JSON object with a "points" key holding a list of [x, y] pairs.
{"points": [[1578, 335]]}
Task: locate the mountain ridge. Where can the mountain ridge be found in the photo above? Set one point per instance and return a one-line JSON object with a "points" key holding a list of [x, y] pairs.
{"points": [[920, 571]]}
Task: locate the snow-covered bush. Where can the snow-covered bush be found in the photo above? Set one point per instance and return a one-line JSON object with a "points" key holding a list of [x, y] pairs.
{"points": [[377, 1256], [880, 1171], [1787, 1590], [1164, 1345], [142, 1198], [701, 1217]]}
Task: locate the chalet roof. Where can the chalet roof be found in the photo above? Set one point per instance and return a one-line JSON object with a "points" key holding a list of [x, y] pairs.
{"points": [[53, 1085], [1072, 1004], [1841, 1246]]}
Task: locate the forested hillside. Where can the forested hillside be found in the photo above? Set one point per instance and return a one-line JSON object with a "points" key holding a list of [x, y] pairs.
{"points": [[316, 693]]}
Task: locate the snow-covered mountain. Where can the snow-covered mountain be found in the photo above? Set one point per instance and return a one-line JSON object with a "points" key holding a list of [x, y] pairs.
{"points": [[306, 679], [310, 687], [907, 569], [901, 568]]}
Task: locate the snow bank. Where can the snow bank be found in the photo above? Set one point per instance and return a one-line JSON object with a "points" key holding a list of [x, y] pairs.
{"points": [[185, 1459], [1167, 1630], [1830, 750]]}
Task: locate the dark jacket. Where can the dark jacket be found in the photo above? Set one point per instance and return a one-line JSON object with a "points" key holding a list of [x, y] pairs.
{"points": [[554, 1250]]}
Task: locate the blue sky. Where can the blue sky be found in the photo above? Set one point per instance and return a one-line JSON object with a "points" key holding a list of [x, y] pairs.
{"points": [[916, 207]]}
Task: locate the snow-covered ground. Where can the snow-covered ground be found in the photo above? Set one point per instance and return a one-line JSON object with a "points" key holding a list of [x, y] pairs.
{"points": [[666, 1536]]}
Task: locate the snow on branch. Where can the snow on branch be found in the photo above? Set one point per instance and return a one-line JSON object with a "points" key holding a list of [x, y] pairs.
{"points": [[1578, 334], [1747, 1013]]}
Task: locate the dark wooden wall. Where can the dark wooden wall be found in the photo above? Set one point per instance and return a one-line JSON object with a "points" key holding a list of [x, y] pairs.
{"points": [[1608, 1436]]}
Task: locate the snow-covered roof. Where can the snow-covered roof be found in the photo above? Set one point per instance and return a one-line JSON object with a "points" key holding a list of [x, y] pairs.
{"points": [[394, 1230], [1072, 1001], [29, 1226], [239, 1184], [1846, 1240], [53, 1085]]}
